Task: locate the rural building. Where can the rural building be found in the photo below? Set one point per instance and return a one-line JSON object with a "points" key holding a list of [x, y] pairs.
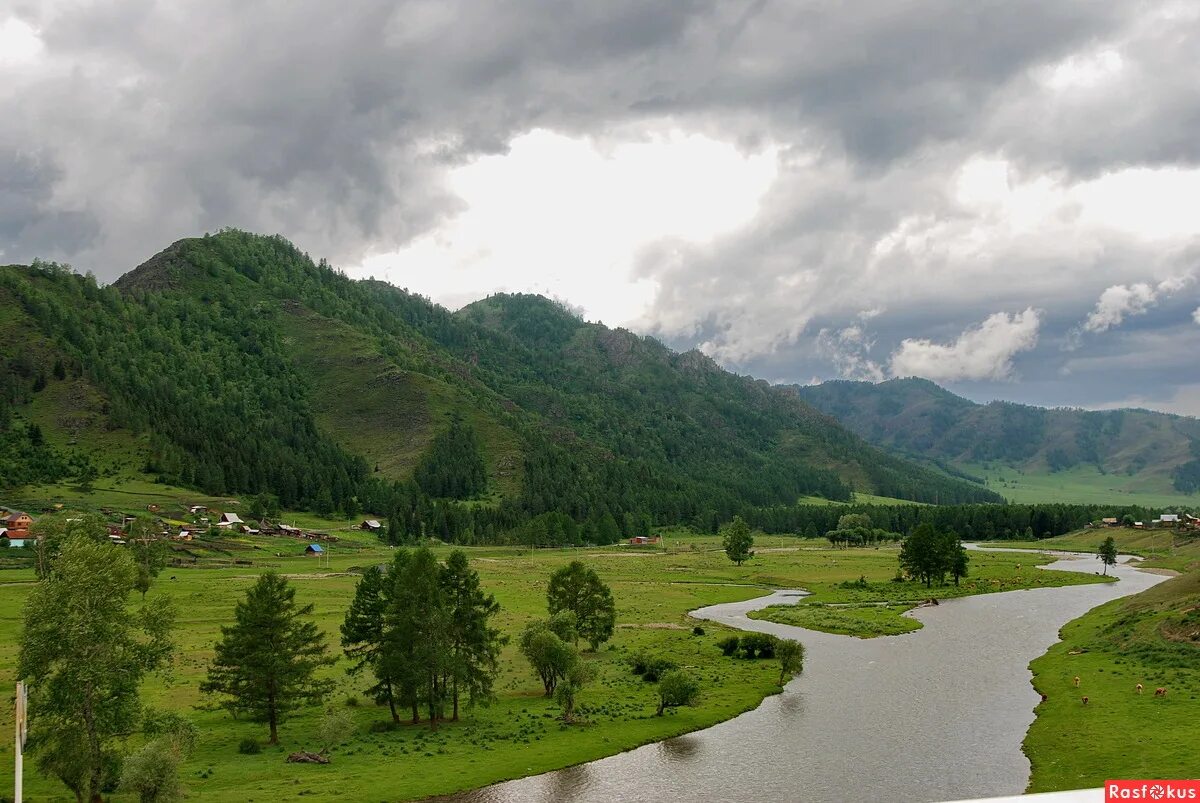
{"points": [[314, 549], [194, 509], [229, 520], [1109, 522], [16, 543], [17, 524], [370, 524], [1167, 520], [642, 539]]}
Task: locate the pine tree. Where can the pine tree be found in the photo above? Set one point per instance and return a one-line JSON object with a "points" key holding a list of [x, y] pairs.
{"points": [[417, 649], [362, 635], [737, 541], [267, 660], [474, 644]]}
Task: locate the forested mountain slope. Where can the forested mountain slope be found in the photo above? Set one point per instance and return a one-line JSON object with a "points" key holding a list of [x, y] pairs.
{"points": [[918, 418], [234, 364]]}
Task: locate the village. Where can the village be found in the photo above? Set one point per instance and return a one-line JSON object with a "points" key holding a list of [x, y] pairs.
{"points": [[198, 534]]}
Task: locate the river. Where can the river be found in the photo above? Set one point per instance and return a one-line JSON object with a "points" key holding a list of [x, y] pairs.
{"points": [[937, 714]]}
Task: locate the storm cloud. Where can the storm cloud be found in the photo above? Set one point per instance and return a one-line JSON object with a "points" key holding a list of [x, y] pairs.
{"points": [[997, 195]]}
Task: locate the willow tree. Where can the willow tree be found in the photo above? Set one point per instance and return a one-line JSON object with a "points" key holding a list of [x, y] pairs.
{"points": [[84, 653]]}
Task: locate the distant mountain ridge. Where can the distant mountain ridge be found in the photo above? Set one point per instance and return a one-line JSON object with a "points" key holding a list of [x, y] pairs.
{"points": [[918, 418], [233, 363]]}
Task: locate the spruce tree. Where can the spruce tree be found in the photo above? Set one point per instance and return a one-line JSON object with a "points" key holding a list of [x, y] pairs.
{"points": [[266, 662], [474, 643]]}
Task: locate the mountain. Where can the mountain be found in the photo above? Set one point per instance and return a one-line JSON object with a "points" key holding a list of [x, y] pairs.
{"points": [[234, 364], [917, 418]]}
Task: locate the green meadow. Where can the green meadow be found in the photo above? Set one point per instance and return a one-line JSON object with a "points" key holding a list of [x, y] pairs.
{"points": [[1081, 484], [1152, 638], [873, 603]]}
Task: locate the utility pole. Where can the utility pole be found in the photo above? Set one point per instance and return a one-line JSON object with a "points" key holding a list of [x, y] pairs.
{"points": [[22, 705]]}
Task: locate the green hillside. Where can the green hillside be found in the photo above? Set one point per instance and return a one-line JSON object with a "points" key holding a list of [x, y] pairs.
{"points": [[235, 365], [1028, 454]]}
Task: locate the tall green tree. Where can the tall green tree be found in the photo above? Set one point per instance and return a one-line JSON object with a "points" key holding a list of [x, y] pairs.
{"points": [[84, 654], [737, 541], [1108, 553], [417, 646], [266, 661], [578, 588], [922, 555], [959, 559], [474, 642], [363, 637]]}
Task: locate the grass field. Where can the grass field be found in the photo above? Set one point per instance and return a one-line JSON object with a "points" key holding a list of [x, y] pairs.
{"points": [[873, 603], [859, 499], [519, 734], [1162, 548], [1082, 484], [1152, 638]]}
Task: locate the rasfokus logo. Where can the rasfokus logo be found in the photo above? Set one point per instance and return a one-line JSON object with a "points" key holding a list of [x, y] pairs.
{"points": [[1151, 790]]}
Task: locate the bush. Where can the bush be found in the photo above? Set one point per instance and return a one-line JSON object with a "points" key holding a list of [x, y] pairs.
{"points": [[729, 646], [383, 726], [352, 701], [697, 631], [656, 668], [249, 747], [638, 662], [676, 688], [758, 645]]}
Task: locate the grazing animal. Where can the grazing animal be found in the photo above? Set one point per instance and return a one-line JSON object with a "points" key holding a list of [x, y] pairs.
{"points": [[1160, 692], [1044, 698], [1077, 681], [1139, 688], [1085, 700]]}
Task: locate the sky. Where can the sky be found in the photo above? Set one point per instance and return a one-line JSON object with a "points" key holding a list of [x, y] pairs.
{"points": [[999, 196]]}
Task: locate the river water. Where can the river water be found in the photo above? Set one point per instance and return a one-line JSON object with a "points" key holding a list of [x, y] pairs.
{"points": [[937, 714]]}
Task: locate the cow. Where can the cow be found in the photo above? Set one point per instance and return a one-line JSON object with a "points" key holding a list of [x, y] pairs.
{"points": [[1077, 681], [1161, 691], [1139, 688], [1085, 700]]}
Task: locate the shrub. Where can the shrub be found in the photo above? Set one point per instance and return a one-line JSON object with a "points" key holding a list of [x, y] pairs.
{"points": [[675, 689], [656, 668], [382, 726], [249, 747], [638, 662], [352, 701], [697, 631], [729, 646], [758, 645], [336, 727]]}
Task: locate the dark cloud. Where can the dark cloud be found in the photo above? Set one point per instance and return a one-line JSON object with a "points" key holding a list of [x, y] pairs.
{"points": [[142, 122]]}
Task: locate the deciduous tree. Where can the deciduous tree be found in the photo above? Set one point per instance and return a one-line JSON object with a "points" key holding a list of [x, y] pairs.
{"points": [[577, 588], [84, 655]]}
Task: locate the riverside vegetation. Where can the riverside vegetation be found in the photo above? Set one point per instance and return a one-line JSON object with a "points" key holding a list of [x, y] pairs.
{"points": [[1152, 638], [612, 710]]}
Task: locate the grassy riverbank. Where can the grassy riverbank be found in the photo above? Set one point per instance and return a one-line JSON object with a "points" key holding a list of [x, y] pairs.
{"points": [[1152, 638], [519, 734], [1161, 548], [874, 604]]}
